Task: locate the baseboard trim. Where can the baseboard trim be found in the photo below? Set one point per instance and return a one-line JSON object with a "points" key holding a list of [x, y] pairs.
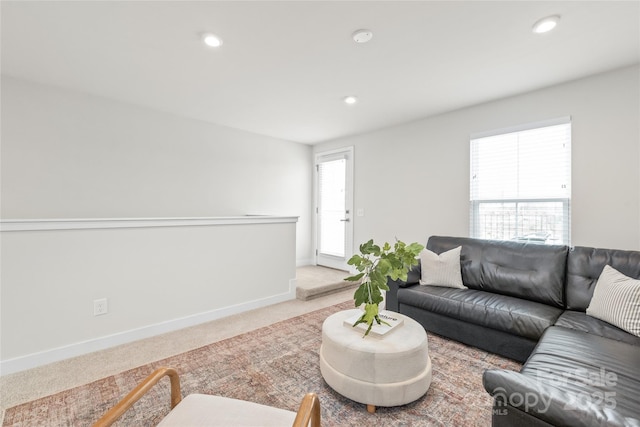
{"points": [[35, 360]]}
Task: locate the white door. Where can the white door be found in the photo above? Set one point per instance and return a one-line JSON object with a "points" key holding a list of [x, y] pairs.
{"points": [[334, 208]]}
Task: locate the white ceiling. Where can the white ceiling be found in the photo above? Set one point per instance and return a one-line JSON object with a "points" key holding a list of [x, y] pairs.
{"points": [[285, 66]]}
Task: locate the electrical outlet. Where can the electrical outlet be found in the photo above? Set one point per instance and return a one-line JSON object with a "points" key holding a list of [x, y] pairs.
{"points": [[100, 307]]}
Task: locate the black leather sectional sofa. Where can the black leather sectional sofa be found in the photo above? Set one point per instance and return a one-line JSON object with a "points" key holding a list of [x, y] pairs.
{"points": [[527, 302]]}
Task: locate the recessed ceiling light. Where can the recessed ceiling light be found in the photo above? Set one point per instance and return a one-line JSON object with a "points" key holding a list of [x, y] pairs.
{"points": [[362, 36], [350, 100], [546, 24], [211, 40]]}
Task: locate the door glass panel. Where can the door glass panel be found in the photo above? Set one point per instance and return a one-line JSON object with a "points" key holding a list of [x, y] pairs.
{"points": [[332, 207]]}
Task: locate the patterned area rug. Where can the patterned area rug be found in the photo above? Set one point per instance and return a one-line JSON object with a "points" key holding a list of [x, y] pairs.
{"points": [[276, 365]]}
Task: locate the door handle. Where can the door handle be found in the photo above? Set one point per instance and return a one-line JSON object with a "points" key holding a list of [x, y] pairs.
{"points": [[345, 220]]}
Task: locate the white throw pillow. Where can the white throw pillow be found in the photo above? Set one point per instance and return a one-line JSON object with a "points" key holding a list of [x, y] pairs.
{"points": [[441, 270], [616, 300]]}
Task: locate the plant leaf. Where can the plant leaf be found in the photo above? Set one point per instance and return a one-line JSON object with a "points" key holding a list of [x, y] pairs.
{"points": [[355, 260], [384, 265], [377, 265], [354, 278], [369, 315], [360, 296]]}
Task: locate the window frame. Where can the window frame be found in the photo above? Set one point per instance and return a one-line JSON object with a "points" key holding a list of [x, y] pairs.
{"points": [[474, 210]]}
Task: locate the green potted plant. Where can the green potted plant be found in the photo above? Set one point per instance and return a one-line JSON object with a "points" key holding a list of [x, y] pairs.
{"points": [[375, 264]]}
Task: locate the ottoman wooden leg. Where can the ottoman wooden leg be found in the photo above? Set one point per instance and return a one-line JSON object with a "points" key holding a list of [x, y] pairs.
{"points": [[371, 409]]}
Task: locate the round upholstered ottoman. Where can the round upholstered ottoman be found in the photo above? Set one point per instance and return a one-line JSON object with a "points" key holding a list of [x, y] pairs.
{"points": [[389, 370]]}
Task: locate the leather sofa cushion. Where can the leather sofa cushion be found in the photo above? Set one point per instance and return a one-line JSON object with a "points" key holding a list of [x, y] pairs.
{"points": [[584, 266], [525, 270], [508, 314], [574, 378], [583, 322]]}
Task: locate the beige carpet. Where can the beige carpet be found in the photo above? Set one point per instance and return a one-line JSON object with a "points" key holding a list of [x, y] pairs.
{"points": [[276, 365], [315, 281]]}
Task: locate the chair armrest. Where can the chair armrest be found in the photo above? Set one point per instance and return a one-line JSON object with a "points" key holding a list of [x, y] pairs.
{"points": [[127, 402], [309, 411]]}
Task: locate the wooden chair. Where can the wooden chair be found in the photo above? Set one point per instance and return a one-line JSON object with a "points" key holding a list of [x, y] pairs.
{"points": [[208, 410]]}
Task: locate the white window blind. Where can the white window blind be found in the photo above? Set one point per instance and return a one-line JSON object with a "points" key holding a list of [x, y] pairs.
{"points": [[521, 184]]}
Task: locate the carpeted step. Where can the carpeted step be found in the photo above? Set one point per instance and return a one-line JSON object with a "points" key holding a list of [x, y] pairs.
{"points": [[315, 281]]}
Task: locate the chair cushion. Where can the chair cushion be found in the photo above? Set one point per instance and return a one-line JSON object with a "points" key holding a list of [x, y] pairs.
{"points": [[508, 314], [206, 410]]}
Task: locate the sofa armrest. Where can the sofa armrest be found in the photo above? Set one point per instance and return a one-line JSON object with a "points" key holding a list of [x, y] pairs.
{"points": [[414, 275], [554, 405], [413, 278]]}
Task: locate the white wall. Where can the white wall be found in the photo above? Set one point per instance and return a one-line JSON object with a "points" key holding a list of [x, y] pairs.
{"points": [[70, 155], [413, 180], [156, 279]]}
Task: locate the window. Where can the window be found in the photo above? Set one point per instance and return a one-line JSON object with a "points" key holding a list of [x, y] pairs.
{"points": [[521, 184]]}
